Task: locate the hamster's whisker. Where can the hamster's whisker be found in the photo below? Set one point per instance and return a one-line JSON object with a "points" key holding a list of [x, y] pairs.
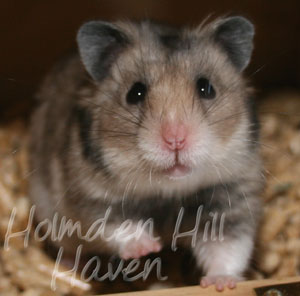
{"points": [[277, 113], [271, 60], [247, 205], [224, 92], [120, 72], [115, 113], [258, 70], [136, 121], [150, 175], [228, 195], [163, 111], [149, 107], [221, 181], [120, 116], [125, 194], [226, 169], [212, 195], [273, 177], [142, 66], [142, 118], [251, 157], [225, 185], [207, 157], [137, 168], [112, 131], [184, 109], [114, 135], [223, 96], [128, 111], [215, 105], [29, 173], [193, 102], [228, 117], [259, 143], [63, 194]]}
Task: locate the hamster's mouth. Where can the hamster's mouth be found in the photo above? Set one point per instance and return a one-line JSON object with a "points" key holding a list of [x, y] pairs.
{"points": [[177, 171]]}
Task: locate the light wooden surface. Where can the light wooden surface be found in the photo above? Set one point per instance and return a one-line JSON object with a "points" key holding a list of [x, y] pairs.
{"points": [[243, 289]]}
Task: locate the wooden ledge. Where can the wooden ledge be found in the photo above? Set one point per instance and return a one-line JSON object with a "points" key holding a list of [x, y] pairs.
{"points": [[243, 289]]}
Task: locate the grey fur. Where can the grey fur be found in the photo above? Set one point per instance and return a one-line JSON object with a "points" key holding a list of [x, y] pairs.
{"points": [[99, 43], [85, 162], [235, 34]]}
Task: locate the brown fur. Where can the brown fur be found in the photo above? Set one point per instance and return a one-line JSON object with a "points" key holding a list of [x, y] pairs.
{"points": [[123, 170]]}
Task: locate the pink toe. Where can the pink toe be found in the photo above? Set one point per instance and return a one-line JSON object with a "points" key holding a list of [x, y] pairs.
{"points": [[231, 284], [219, 287], [220, 284], [205, 282]]}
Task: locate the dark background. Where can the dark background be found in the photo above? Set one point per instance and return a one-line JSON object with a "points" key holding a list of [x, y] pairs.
{"points": [[35, 33]]}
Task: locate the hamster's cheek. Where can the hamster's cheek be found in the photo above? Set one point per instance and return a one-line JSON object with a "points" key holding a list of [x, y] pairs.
{"points": [[119, 161]]}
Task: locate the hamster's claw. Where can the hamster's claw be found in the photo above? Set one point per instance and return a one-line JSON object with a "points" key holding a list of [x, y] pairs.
{"points": [[220, 282]]}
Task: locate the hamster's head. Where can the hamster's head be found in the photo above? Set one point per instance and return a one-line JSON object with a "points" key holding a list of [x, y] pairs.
{"points": [[171, 109]]}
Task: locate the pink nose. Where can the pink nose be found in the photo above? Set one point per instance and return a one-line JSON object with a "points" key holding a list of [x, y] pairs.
{"points": [[174, 136]]}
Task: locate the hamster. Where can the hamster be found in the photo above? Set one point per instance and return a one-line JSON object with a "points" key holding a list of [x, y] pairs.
{"points": [[147, 120]]}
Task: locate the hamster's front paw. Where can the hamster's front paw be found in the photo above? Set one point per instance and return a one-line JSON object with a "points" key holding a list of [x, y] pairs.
{"points": [[136, 248], [220, 281]]}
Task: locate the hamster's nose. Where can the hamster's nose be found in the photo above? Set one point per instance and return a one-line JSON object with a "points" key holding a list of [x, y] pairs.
{"points": [[174, 135]]}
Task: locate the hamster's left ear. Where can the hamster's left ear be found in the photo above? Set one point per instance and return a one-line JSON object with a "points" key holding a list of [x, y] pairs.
{"points": [[235, 35], [99, 45]]}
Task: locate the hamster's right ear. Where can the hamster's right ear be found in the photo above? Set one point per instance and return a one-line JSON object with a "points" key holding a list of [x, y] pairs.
{"points": [[99, 44], [235, 35]]}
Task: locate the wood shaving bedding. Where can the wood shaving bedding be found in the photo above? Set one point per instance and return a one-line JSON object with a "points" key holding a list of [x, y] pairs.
{"points": [[28, 271]]}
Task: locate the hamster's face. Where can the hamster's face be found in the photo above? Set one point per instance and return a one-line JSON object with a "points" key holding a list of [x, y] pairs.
{"points": [[172, 114]]}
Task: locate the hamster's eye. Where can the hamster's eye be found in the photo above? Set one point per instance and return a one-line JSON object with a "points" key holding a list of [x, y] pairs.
{"points": [[205, 89], [137, 93]]}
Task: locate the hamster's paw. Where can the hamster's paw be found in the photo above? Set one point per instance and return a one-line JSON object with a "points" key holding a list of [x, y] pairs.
{"points": [[220, 281], [135, 249]]}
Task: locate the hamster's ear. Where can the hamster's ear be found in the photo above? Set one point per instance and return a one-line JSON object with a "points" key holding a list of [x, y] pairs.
{"points": [[235, 35], [99, 44]]}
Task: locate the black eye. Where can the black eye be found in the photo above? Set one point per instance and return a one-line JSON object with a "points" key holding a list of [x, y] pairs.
{"points": [[137, 93], [205, 89]]}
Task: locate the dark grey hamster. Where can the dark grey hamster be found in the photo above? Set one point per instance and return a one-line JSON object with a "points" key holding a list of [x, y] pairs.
{"points": [[145, 121]]}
